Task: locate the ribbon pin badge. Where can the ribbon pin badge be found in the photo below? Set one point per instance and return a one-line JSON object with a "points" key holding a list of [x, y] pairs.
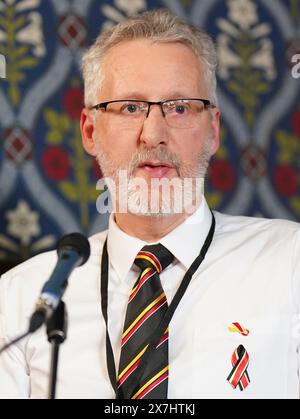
{"points": [[236, 327], [240, 360], [239, 375]]}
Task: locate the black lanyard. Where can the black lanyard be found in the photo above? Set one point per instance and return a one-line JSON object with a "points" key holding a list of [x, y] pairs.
{"points": [[157, 334]]}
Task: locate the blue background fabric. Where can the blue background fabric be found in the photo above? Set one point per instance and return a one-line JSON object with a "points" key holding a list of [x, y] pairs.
{"points": [[47, 181]]}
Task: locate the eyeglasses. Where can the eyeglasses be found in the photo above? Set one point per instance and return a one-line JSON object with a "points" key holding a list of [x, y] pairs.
{"points": [[178, 113]]}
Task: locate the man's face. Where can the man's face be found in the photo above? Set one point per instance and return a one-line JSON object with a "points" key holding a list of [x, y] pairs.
{"points": [[144, 70]]}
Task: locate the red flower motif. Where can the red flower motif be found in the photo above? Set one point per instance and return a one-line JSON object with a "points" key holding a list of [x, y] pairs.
{"points": [[97, 170], [286, 180], [56, 163], [296, 123], [222, 175], [73, 102]]}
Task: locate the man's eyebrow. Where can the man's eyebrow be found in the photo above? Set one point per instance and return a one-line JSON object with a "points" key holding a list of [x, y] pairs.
{"points": [[131, 95], [178, 95], [139, 96]]}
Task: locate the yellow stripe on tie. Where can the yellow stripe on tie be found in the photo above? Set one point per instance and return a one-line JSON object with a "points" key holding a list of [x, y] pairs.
{"points": [[162, 295], [149, 260], [159, 374], [142, 276], [145, 271], [133, 362]]}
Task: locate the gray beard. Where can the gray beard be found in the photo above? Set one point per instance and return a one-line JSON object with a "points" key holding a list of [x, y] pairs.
{"points": [[183, 194]]}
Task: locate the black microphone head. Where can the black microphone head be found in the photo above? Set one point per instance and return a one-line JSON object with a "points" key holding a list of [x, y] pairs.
{"points": [[78, 242]]}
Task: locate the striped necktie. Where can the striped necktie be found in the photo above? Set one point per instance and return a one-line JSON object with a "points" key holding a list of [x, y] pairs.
{"points": [[146, 307]]}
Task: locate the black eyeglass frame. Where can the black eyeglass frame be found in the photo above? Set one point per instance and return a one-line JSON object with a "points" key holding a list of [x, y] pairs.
{"points": [[103, 105]]}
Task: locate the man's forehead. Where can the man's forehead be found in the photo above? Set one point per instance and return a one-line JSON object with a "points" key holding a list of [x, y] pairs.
{"points": [[136, 68], [148, 47]]}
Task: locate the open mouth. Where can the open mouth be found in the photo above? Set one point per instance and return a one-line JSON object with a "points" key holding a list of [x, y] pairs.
{"points": [[155, 169], [153, 165]]}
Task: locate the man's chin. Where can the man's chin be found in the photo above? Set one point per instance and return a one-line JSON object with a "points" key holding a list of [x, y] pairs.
{"points": [[151, 214]]}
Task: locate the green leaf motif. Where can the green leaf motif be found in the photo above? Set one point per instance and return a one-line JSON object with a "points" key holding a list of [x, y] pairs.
{"points": [[248, 81], [3, 23], [214, 199], [289, 146], [51, 117], [17, 50], [295, 9], [18, 23], [63, 130], [54, 137], [14, 93], [295, 204], [27, 62], [59, 126], [93, 194], [186, 3], [69, 190]]}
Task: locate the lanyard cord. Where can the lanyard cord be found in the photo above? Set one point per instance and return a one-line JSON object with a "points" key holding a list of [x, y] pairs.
{"points": [[157, 334]]}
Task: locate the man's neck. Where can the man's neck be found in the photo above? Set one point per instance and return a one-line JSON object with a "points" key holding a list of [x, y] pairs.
{"points": [[146, 228]]}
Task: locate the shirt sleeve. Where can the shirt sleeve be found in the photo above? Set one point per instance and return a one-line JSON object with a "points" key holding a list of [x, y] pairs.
{"points": [[14, 376]]}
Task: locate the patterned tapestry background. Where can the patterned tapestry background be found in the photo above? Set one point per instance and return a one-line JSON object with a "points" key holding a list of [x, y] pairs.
{"points": [[47, 181]]}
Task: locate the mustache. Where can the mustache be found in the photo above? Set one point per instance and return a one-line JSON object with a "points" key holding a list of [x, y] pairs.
{"points": [[159, 155]]}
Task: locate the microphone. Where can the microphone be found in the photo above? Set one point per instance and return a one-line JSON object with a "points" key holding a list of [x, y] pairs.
{"points": [[73, 250]]}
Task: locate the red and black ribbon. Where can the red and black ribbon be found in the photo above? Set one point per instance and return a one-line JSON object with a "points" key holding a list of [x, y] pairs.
{"points": [[239, 375]]}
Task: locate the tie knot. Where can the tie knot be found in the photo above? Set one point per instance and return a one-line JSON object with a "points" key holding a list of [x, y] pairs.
{"points": [[155, 256]]}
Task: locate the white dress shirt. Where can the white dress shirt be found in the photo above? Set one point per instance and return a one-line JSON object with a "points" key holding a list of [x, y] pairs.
{"points": [[251, 275]]}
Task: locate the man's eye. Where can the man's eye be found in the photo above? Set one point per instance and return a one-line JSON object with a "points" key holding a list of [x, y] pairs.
{"points": [[180, 109], [176, 108], [130, 108]]}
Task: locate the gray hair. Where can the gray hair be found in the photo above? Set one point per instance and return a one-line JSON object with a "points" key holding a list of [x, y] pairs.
{"points": [[158, 25]]}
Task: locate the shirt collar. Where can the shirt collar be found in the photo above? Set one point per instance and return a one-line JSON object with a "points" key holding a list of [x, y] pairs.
{"points": [[185, 241]]}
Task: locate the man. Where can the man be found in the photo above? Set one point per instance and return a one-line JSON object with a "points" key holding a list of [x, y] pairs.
{"points": [[178, 325]]}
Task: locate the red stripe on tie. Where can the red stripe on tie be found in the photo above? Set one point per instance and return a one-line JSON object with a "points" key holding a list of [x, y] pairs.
{"points": [[163, 339], [153, 257], [128, 373], [141, 283], [153, 385], [143, 319]]}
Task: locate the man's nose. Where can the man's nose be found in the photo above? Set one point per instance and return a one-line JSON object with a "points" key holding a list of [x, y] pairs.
{"points": [[154, 130]]}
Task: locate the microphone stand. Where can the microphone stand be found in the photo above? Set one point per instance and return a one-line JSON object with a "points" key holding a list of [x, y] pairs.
{"points": [[57, 333]]}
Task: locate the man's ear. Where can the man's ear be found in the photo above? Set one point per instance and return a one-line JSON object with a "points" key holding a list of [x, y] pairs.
{"points": [[87, 132], [215, 131]]}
